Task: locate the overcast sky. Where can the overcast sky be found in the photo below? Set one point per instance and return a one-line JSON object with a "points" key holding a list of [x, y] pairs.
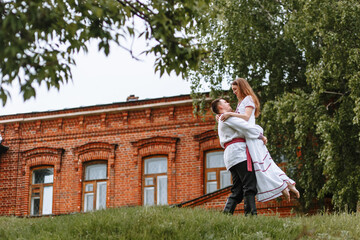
{"points": [[98, 79]]}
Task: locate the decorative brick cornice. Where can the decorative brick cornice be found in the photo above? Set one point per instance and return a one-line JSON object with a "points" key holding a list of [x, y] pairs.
{"points": [[205, 136], [171, 113], [103, 120], [155, 140], [38, 126], [94, 146], [95, 151], [148, 115], [125, 115], [59, 123], [42, 156], [17, 127], [123, 129], [81, 122], [207, 141], [42, 151], [155, 146]]}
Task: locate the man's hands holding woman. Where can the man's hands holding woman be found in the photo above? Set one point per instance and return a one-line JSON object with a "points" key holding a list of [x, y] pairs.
{"points": [[224, 116]]}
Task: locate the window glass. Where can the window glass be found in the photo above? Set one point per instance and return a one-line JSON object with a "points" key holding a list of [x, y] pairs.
{"points": [[162, 190], [216, 176], [89, 187], [96, 171], [149, 181], [215, 159], [149, 196], [89, 202], [225, 179], [47, 200], [35, 206], [43, 175], [211, 187], [155, 165], [101, 196], [211, 176]]}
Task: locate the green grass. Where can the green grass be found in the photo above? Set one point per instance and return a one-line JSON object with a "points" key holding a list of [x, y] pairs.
{"points": [[178, 223]]}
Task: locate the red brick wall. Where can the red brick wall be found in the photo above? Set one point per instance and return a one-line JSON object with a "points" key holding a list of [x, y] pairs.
{"points": [[120, 137]]}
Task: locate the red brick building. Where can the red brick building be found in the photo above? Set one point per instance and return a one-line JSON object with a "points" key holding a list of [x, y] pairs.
{"points": [[138, 152]]}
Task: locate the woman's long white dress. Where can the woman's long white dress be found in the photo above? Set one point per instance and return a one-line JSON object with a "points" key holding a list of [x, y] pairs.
{"points": [[271, 180]]}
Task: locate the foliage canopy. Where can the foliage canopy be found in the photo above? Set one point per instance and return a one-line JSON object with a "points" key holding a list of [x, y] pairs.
{"points": [[38, 39], [302, 58]]}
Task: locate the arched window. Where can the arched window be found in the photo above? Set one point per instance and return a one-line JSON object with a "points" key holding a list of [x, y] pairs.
{"points": [[94, 186], [216, 175], [155, 181], [41, 191]]}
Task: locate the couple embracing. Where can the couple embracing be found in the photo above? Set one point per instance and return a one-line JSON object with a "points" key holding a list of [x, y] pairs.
{"points": [[253, 171]]}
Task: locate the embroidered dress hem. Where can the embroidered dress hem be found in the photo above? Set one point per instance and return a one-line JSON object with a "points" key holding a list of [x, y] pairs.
{"points": [[271, 180]]}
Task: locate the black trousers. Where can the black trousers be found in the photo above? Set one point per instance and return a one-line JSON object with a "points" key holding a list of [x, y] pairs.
{"points": [[244, 182]]}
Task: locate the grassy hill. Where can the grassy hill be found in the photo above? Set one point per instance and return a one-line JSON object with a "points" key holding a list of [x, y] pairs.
{"points": [[178, 223]]}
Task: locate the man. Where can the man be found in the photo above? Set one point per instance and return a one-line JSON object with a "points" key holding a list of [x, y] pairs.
{"points": [[232, 134]]}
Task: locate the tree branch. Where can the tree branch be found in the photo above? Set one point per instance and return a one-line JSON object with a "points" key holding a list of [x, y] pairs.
{"points": [[134, 10], [131, 53], [336, 93], [145, 6]]}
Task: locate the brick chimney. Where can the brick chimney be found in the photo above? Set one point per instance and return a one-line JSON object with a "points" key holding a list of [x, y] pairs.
{"points": [[132, 98]]}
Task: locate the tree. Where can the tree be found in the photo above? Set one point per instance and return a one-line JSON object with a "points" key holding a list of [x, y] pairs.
{"points": [[329, 34], [247, 39], [38, 39], [302, 58]]}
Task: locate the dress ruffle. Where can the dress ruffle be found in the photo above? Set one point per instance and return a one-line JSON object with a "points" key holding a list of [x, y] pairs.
{"points": [[271, 180]]}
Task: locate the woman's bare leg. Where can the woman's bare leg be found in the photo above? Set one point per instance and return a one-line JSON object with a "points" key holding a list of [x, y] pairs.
{"points": [[293, 189], [286, 194]]}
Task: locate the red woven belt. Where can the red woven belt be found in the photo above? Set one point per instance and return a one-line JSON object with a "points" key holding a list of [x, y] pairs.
{"points": [[248, 157]]}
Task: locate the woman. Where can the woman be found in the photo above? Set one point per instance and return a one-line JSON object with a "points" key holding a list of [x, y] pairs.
{"points": [[248, 104], [271, 179]]}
